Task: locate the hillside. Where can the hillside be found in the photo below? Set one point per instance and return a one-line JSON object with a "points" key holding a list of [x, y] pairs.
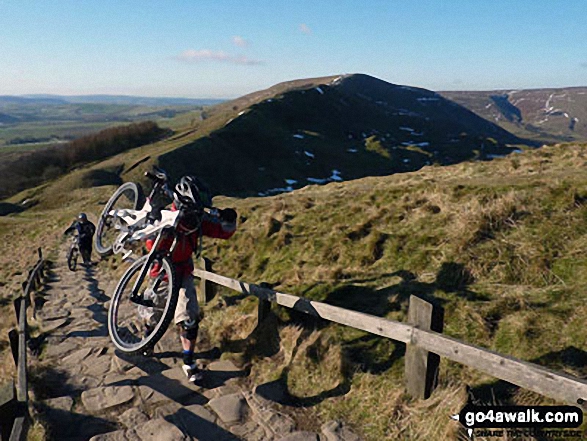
{"points": [[548, 115], [332, 129], [498, 243]]}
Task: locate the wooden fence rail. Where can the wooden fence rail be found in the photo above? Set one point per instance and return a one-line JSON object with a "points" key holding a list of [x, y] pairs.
{"points": [[425, 342], [14, 416]]}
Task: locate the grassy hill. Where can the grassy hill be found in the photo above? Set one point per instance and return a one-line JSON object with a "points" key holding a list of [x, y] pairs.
{"points": [[335, 128], [546, 115], [500, 244]]}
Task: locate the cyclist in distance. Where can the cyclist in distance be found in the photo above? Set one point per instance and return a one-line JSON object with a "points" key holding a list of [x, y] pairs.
{"points": [[85, 230], [191, 195]]}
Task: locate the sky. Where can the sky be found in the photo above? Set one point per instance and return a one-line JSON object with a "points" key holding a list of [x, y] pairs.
{"points": [[228, 48]]}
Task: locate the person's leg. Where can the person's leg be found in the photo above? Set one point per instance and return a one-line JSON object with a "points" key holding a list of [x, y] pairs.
{"points": [[187, 318], [86, 252]]}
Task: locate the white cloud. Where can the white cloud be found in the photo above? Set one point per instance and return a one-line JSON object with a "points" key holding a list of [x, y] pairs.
{"points": [[202, 55], [240, 41], [305, 29]]}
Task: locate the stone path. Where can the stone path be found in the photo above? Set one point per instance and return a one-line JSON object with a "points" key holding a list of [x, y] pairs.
{"points": [[84, 390]]}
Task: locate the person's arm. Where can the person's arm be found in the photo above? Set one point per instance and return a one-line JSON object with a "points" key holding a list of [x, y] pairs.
{"points": [[71, 228], [222, 226]]}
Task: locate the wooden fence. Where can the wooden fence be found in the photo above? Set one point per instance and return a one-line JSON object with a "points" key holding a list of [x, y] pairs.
{"points": [[425, 343], [14, 417]]}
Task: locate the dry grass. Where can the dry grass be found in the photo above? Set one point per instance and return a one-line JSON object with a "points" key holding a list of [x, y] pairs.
{"points": [[519, 232]]}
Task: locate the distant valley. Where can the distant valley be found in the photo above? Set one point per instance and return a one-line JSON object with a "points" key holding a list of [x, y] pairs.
{"points": [[548, 115], [47, 119]]}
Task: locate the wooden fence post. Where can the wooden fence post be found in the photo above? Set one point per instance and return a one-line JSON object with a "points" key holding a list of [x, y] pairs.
{"points": [[206, 289], [421, 368], [13, 338], [17, 302], [264, 308]]}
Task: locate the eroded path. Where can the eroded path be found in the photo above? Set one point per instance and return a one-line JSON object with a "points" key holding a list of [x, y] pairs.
{"points": [[85, 390]]}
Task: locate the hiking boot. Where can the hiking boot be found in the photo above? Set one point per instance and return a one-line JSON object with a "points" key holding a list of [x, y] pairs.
{"points": [[193, 374]]}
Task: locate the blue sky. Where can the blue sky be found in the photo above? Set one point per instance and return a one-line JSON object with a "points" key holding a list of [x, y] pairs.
{"points": [[224, 49]]}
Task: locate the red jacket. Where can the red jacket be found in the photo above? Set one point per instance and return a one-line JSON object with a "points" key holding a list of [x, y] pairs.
{"points": [[188, 243]]}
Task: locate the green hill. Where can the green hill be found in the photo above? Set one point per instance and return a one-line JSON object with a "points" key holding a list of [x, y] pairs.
{"points": [[338, 128]]}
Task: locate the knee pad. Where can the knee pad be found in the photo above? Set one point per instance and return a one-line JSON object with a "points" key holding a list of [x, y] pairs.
{"points": [[189, 329]]}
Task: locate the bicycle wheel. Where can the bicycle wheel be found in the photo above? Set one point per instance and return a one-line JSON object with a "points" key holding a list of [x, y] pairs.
{"points": [[72, 255], [135, 328], [130, 196]]}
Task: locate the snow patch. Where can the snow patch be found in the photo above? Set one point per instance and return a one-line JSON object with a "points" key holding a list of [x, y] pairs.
{"points": [[308, 154], [317, 181], [335, 176], [320, 91], [291, 181], [298, 136], [352, 150], [406, 129], [406, 161], [241, 113], [492, 156], [420, 144]]}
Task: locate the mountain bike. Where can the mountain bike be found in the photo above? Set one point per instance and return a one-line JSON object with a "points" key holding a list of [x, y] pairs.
{"points": [[144, 300], [73, 253]]}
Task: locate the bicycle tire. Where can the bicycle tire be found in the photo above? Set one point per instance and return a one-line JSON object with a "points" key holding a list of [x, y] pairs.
{"points": [[72, 258], [122, 294], [103, 248]]}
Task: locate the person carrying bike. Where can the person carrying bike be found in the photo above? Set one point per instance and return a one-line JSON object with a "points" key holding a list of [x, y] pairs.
{"points": [[190, 196], [85, 231]]}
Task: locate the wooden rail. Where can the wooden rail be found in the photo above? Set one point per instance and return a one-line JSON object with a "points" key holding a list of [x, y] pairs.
{"points": [[422, 340], [14, 416]]}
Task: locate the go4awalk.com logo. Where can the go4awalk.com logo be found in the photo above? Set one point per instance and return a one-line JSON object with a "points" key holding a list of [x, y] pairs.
{"points": [[521, 421]]}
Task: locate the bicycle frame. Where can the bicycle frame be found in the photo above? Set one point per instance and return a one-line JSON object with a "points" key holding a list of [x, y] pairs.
{"points": [[153, 254]]}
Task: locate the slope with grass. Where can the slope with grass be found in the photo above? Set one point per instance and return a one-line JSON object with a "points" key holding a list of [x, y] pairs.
{"points": [[332, 129], [500, 244]]}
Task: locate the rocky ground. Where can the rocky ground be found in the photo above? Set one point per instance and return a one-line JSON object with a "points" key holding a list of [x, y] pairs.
{"points": [[83, 389]]}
